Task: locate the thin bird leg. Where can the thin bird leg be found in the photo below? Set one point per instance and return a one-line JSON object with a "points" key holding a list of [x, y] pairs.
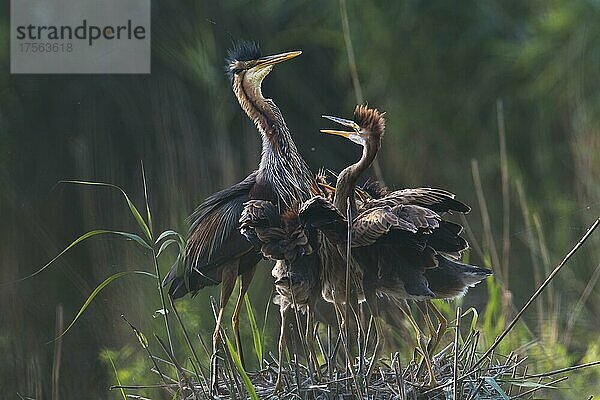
{"points": [[423, 308], [442, 324], [374, 308], [434, 339], [245, 280], [228, 277], [279, 383], [436, 333], [309, 338], [421, 345]]}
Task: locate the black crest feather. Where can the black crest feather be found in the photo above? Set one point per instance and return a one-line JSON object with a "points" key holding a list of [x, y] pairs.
{"points": [[243, 51]]}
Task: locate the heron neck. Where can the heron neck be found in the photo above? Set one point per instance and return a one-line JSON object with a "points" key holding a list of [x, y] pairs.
{"points": [[348, 178], [281, 164]]}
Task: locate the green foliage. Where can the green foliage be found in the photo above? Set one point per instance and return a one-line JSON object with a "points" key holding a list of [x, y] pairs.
{"points": [[240, 368], [112, 364], [255, 332], [493, 321], [97, 290], [132, 208]]}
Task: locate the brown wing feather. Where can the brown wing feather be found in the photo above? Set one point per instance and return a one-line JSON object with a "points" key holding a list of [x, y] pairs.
{"points": [[278, 238], [438, 200], [375, 223]]}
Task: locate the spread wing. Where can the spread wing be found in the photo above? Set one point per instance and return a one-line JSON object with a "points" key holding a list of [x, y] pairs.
{"points": [[412, 216], [214, 238], [437, 200], [414, 222]]}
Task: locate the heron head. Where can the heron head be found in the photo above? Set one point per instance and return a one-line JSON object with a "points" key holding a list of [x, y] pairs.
{"points": [[245, 58], [368, 124]]}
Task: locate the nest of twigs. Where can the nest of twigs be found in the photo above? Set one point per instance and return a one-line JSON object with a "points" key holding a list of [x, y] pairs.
{"points": [[460, 371]]}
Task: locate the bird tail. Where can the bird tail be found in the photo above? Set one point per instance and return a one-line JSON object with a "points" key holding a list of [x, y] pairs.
{"points": [[451, 278], [469, 274], [178, 287]]}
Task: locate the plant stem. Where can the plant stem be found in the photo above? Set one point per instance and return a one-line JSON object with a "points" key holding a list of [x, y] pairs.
{"points": [[162, 299], [534, 296]]}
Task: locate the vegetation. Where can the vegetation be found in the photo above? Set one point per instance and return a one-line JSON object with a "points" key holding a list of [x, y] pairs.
{"points": [[437, 68]]}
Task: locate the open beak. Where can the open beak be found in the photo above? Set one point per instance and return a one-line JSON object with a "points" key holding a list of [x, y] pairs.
{"points": [[277, 58], [346, 122]]}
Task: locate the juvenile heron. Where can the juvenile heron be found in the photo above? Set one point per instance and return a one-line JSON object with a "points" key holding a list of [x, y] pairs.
{"points": [[405, 248], [216, 252], [400, 237], [294, 239]]}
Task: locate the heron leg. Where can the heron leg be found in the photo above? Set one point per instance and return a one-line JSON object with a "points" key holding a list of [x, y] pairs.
{"points": [[374, 308], [228, 277], [245, 280], [436, 333], [310, 342], [442, 323], [422, 347], [279, 383]]}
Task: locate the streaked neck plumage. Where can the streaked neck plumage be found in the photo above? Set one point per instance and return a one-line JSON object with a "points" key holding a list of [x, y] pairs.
{"points": [[348, 178], [281, 166]]}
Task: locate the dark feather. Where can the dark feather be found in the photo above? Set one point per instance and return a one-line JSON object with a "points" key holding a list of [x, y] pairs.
{"points": [[452, 279], [437, 200], [214, 238], [278, 238], [320, 213], [375, 189], [241, 51]]}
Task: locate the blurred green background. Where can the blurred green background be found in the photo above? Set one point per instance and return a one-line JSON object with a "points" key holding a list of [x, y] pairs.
{"points": [[438, 68]]}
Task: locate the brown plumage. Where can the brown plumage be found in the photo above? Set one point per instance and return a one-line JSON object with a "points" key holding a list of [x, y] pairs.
{"points": [[290, 240], [403, 245], [216, 252], [400, 238]]}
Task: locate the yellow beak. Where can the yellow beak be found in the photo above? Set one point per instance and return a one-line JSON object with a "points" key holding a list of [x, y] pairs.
{"points": [[341, 121], [277, 58], [339, 133]]}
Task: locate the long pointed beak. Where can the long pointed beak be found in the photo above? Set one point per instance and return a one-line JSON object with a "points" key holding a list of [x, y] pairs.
{"points": [[346, 122], [277, 58], [339, 133]]}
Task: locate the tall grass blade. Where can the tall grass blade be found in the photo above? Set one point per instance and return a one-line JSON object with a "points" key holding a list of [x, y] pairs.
{"points": [[134, 211], [238, 364], [117, 377], [485, 219], [255, 332], [148, 214], [473, 311], [80, 239], [138, 334], [505, 192], [166, 244], [95, 293], [167, 233]]}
